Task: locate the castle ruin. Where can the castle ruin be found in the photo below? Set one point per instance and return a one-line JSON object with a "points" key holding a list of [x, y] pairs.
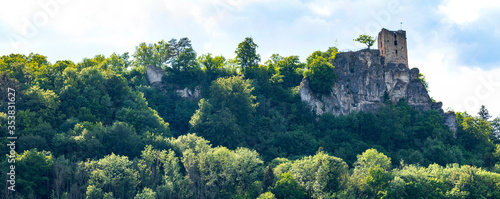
{"points": [[392, 46], [365, 78]]}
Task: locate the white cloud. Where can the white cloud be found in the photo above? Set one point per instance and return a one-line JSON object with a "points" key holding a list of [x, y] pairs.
{"points": [[460, 87], [324, 7], [463, 12]]}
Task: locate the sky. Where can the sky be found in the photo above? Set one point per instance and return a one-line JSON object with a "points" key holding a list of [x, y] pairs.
{"points": [[453, 43]]}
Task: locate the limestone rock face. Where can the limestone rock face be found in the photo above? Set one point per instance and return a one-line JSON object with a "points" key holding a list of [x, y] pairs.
{"points": [[193, 94], [154, 74], [364, 80]]}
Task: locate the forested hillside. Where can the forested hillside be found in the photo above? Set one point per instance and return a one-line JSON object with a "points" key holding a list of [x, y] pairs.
{"points": [[98, 129]]}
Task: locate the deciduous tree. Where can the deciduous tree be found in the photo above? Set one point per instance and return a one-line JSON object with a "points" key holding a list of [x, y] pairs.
{"points": [[366, 39], [246, 53]]}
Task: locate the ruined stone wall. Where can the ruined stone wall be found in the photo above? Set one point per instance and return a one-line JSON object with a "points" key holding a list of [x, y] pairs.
{"points": [[392, 46], [362, 80]]}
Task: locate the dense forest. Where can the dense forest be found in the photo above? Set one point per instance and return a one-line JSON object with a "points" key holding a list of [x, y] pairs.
{"points": [[98, 129]]}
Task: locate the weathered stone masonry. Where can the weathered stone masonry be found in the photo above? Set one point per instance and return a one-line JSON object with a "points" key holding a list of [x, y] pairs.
{"points": [[392, 46], [363, 77]]}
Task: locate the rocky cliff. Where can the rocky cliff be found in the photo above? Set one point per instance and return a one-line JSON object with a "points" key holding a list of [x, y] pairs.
{"points": [[155, 75], [363, 78]]}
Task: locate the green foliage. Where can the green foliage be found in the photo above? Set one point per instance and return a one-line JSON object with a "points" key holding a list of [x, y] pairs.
{"points": [[268, 178], [287, 187], [474, 133], [223, 116], [282, 165], [185, 70], [160, 170], [329, 55], [136, 77], [211, 64], [147, 193], [215, 67], [246, 54], [97, 115], [424, 82], [370, 177], [377, 181], [483, 113], [435, 151], [320, 174], [177, 57], [143, 120], [234, 93], [290, 69], [33, 171], [366, 39], [175, 110], [495, 125], [7, 82], [122, 140], [452, 181], [45, 102], [220, 127], [117, 63], [112, 174], [371, 158], [94, 192], [93, 94], [267, 195], [321, 75], [28, 142], [152, 54], [29, 70], [218, 172]]}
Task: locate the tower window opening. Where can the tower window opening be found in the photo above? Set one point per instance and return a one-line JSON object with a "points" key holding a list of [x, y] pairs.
{"points": [[395, 42], [396, 52]]}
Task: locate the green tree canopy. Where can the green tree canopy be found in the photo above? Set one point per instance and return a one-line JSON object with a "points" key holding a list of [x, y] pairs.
{"points": [[366, 39], [287, 187], [371, 158], [474, 132], [112, 174], [162, 53], [153, 54], [246, 54], [33, 172], [229, 109], [321, 75], [483, 113], [321, 174], [267, 195], [291, 69]]}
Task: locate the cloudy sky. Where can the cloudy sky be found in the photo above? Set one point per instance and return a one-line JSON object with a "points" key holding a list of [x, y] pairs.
{"points": [[453, 43]]}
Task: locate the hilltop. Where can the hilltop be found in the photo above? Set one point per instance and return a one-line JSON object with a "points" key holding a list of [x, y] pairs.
{"points": [[166, 122]]}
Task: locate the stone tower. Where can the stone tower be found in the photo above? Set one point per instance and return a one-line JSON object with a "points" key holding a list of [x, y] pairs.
{"points": [[392, 46]]}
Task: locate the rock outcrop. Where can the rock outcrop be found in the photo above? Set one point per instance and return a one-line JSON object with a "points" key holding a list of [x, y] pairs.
{"points": [[155, 76], [191, 94], [364, 80]]}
